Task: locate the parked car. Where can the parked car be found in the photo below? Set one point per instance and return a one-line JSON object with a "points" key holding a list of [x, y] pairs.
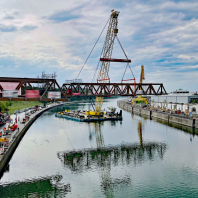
{"points": [[16, 112], [36, 107], [28, 113], [32, 111]]}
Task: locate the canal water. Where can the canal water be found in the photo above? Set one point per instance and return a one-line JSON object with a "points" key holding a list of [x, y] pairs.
{"points": [[136, 157]]}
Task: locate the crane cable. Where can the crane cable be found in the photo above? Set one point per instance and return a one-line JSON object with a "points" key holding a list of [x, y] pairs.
{"points": [[127, 58], [103, 56], [95, 73], [92, 49]]}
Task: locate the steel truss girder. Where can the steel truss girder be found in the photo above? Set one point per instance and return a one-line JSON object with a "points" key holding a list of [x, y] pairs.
{"points": [[27, 84], [113, 89]]}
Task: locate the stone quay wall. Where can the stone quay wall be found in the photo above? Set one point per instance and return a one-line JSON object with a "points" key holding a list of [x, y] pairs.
{"points": [[169, 118]]}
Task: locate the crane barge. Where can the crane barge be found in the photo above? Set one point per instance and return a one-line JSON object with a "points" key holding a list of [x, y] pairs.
{"points": [[97, 114], [90, 116]]}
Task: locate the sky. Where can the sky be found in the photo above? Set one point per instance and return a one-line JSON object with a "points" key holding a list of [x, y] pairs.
{"points": [[57, 36]]}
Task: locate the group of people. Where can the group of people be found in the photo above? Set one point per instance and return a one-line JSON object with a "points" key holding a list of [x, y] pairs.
{"points": [[4, 142]]}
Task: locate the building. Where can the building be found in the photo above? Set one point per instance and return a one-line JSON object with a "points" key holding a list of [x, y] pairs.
{"points": [[178, 96]]}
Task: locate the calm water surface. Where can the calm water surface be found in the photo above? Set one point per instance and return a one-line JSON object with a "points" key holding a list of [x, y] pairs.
{"points": [[135, 157]]}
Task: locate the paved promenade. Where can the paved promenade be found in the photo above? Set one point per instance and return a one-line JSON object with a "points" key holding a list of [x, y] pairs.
{"points": [[15, 136]]}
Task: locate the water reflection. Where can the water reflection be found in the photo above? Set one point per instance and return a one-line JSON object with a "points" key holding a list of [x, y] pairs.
{"points": [[140, 132], [44, 187], [104, 158]]}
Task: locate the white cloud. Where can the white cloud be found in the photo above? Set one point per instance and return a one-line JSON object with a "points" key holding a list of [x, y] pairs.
{"points": [[155, 34]]}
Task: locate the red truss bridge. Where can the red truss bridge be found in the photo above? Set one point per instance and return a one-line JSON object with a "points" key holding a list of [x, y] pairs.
{"points": [[113, 89], [79, 89]]}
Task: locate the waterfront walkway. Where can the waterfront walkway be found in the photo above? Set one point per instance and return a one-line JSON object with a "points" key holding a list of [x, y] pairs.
{"points": [[14, 137]]}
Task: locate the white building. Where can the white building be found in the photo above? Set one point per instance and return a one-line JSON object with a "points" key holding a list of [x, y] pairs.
{"points": [[178, 96]]}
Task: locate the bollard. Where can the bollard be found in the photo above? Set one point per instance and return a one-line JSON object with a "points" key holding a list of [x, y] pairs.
{"points": [[120, 113], [150, 115], [193, 124]]}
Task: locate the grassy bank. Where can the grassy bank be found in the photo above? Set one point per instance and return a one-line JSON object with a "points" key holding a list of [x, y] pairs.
{"points": [[17, 105]]}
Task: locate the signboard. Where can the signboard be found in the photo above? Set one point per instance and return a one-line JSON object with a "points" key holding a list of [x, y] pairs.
{"points": [[32, 93], [10, 93], [54, 94], [10, 86]]}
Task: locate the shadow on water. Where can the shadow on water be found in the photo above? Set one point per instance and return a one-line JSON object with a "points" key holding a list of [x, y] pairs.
{"points": [[44, 187], [104, 158]]}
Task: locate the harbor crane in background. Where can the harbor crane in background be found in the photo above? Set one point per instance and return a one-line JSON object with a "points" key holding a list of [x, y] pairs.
{"points": [[140, 99]]}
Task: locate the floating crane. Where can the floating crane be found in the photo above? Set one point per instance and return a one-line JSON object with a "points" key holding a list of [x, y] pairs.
{"points": [[106, 57], [108, 48], [140, 99]]}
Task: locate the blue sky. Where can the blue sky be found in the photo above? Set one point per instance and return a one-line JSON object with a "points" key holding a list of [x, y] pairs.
{"points": [[57, 36]]}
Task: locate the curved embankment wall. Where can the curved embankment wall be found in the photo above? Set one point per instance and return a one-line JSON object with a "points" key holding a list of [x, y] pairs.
{"points": [[180, 122], [12, 147]]}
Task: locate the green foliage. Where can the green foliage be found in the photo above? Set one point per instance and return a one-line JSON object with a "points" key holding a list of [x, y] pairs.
{"points": [[8, 103], [16, 105], [3, 105], [194, 101], [165, 101]]}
